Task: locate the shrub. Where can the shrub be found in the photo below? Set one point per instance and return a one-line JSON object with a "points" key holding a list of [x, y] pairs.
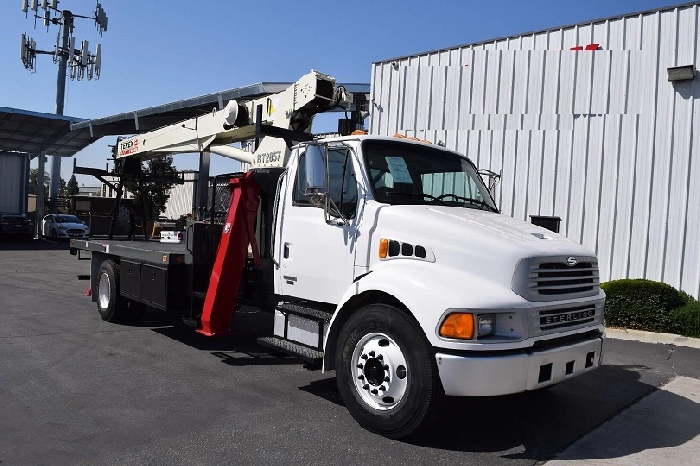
{"points": [[688, 299], [641, 304], [686, 320]]}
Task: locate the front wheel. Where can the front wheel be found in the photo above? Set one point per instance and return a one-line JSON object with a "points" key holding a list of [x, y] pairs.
{"points": [[386, 372]]}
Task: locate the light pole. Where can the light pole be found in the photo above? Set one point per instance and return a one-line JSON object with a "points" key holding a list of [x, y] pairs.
{"points": [[82, 64]]}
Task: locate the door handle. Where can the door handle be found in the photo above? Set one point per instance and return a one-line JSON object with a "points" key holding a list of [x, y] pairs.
{"points": [[286, 251]]}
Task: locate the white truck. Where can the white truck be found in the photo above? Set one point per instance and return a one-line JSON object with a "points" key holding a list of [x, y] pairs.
{"points": [[384, 259]]}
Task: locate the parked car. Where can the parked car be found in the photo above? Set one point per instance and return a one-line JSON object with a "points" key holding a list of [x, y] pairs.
{"points": [[16, 226], [63, 226]]}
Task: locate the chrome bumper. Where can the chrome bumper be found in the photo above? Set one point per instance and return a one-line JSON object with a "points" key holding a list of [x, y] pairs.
{"points": [[514, 373]]}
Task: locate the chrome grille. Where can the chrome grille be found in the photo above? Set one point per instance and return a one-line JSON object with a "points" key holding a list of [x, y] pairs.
{"points": [[556, 278], [552, 278]]}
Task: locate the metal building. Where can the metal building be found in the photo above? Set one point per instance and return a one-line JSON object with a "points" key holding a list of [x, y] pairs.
{"points": [[182, 200], [592, 122], [14, 181]]}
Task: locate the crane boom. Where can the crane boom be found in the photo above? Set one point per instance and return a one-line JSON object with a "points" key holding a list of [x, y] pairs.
{"points": [[286, 115]]}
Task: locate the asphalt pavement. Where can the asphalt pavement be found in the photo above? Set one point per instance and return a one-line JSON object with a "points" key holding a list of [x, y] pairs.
{"points": [[77, 390]]}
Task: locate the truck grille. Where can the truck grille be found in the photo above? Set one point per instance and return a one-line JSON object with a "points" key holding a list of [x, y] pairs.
{"points": [[554, 278], [562, 318], [549, 320]]}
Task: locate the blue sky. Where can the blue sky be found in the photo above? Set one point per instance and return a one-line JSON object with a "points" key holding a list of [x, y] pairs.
{"points": [[159, 51]]}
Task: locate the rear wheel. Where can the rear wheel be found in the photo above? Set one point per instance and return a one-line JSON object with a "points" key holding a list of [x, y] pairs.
{"points": [[386, 372], [110, 305]]}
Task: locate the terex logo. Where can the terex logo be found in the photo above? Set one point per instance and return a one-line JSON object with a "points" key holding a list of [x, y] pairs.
{"points": [[129, 146]]}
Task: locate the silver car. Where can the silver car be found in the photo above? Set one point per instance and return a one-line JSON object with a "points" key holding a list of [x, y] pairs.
{"points": [[63, 226]]}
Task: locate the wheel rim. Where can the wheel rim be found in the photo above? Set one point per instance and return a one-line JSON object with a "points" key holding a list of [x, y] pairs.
{"points": [[380, 371], [103, 291]]}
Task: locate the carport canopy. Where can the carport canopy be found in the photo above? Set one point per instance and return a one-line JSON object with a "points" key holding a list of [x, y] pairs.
{"points": [[29, 132]]}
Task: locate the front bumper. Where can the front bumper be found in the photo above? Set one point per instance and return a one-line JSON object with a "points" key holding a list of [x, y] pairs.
{"points": [[494, 374]]}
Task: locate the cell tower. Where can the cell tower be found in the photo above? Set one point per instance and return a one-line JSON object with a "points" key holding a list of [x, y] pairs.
{"points": [[83, 64]]}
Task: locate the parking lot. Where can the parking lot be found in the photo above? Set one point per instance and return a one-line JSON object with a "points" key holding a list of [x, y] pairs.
{"points": [[77, 390]]}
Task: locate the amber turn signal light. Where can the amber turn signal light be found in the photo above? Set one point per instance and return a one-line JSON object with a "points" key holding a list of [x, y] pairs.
{"points": [[383, 248], [458, 325]]}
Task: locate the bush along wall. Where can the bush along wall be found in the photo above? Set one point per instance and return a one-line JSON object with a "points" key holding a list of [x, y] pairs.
{"points": [[642, 304]]}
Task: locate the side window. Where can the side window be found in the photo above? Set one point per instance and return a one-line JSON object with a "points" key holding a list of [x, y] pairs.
{"points": [[300, 183], [342, 180]]}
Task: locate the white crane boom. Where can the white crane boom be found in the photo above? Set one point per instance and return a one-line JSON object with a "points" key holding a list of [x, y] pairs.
{"points": [[286, 115]]}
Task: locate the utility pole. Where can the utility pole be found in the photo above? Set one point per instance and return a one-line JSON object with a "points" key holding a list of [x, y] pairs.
{"points": [[67, 22], [82, 64]]}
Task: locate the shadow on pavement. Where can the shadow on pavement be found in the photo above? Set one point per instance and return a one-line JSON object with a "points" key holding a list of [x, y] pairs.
{"points": [[540, 424], [240, 348], [662, 421], [535, 425]]}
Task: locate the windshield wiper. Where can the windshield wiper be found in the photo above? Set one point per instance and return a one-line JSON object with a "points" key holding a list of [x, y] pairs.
{"points": [[420, 195], [471, 200]]}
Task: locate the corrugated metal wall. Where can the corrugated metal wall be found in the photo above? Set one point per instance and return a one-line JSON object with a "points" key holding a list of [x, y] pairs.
{"points": [[599, 138], [14, 180], [181, 197]]}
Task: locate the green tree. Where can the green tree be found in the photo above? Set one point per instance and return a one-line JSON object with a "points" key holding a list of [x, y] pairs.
{"points": [[33, 186], [62, 188], [72, 187], [156, 190]]}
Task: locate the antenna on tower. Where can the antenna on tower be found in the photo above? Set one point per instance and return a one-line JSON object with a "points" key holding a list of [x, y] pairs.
{"points": [[72, 63]]}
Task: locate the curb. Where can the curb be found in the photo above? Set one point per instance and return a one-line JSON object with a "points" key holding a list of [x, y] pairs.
{"points": [[651, 337]]}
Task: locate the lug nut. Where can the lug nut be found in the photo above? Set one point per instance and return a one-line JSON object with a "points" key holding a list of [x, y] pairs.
{"points": [[380, 357], [374, 391], [360, 366], [371, 353], [365, 387], [364, 356], [382, 388], [361, 377], [386, 368], [386, 379]]}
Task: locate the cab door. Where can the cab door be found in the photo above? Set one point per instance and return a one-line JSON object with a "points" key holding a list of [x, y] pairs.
{"points": [[317, 253]]}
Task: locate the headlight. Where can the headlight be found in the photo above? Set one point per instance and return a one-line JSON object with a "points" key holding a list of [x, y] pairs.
{"points": [[458, 325], [486, 325], [467, 326]]}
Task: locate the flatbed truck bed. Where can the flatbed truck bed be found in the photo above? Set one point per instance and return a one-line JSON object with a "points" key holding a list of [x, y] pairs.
{"points": [[142, 250]]}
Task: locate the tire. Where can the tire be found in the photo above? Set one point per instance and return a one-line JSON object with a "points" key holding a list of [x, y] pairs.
{"points": [[386, 372], [110, 305], [54, 235]]}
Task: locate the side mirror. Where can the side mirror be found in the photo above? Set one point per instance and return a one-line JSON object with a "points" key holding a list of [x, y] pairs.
{"points": [[316, 189]]}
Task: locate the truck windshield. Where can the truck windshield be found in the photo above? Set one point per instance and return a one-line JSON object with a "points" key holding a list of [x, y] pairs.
{"points": [[403, 173]]}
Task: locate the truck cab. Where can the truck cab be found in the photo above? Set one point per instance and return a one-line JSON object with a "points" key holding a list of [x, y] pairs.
{"points": [[432, 290]]}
